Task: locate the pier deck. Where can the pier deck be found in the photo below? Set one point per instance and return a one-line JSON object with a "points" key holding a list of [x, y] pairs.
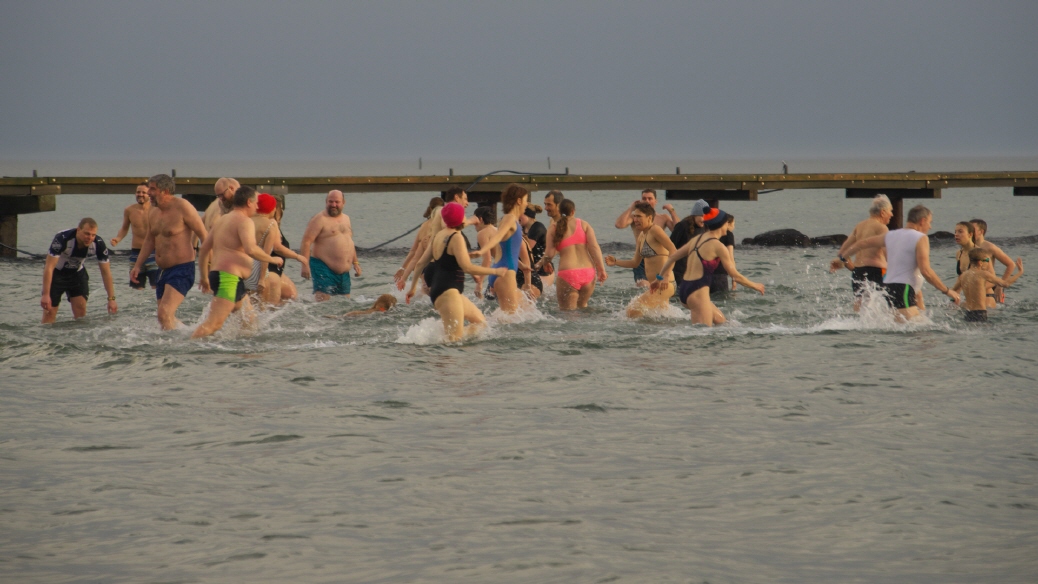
{"points": [[37, 194]]}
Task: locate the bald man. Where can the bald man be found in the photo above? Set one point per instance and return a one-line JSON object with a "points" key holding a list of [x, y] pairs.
{"points": [[330, 234], [224, 190]]}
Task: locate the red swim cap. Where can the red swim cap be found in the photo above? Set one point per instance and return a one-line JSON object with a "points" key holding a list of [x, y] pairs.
{"points": [[265, 204]]}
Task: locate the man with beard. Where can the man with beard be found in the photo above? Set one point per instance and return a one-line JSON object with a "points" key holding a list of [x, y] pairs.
{"points": [[331, 236], [224, 189], [135, 217], [172, 224]]}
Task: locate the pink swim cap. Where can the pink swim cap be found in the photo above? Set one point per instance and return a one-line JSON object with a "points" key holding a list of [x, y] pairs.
{"points": [[453, 215]]}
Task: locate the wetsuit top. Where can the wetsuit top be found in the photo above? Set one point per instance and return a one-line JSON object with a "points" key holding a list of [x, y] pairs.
{"points": [[901, 265], [510, 250], [647, 251], [726, 239], [708, 267], [279, 270], [578, 237], [446, 274], [538, 234], [70, 256]]}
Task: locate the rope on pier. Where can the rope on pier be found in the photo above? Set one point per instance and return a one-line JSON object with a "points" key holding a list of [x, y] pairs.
{"points": [[474, 183], [30, 254]]}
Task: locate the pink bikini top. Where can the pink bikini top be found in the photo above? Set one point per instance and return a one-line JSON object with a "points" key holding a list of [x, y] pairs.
{"points": [[578, 237]]}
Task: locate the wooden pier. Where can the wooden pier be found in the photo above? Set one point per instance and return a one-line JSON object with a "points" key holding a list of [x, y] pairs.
{"points": [[37, 194]]}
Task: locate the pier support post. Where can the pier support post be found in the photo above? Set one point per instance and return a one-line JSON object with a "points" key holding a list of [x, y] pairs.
{"points": [[8, 236], [41, 199], [897, 197]]}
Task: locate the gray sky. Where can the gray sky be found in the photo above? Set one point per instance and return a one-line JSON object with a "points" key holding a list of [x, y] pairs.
{"points": [[582, 79]]}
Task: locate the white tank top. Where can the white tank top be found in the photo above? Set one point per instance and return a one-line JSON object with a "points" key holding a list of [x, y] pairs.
{"points": [[901, 265]]}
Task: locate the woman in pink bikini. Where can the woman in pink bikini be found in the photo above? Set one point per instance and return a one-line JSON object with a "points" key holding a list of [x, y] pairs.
{"points": [[581, 258]]}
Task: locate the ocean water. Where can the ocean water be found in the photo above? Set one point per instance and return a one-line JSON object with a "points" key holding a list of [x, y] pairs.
{"points": [[800, 442]]}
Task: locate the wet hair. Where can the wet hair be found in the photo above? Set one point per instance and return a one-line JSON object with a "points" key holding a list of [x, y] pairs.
{"points": [[977, 254], [566, 210], [163, 182], [452, 193], [917, 214], [242, 196], [511, 196], [981, 225], [87, 222], [487, 214], [434, 203], [880, 203], [556, 196], [645, 209], [384, 302], [969, 229]]}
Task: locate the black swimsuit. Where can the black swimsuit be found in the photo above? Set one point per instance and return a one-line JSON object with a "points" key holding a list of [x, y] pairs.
{"points": [[446, 274], [687, 287]]}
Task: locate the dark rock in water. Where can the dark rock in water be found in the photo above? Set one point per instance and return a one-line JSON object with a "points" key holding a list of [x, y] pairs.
{"points": [[835, 240], [942, 235], [781, 238]]}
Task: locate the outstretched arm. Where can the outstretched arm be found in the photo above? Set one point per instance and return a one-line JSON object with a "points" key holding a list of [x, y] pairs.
{"points": [[729, 266], [595, 252], [922, 259]]}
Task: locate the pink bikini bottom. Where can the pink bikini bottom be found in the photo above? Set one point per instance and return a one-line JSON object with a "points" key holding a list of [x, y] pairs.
{"points": [[578, 277]]}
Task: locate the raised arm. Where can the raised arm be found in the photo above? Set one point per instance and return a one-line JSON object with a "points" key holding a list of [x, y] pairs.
{"points": [[673, 218], [624, 220]]}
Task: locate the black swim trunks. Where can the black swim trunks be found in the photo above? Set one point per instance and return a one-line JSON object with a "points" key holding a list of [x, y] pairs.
{"points": [[976, 316], [859, 277], [900, 295], [71, 283]]}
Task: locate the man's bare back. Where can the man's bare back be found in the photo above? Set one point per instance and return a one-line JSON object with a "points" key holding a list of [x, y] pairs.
{"points": [[871, 257]]}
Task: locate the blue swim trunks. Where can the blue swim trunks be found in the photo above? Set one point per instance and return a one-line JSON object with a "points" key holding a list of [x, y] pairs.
{"points": [[327, 281], [181, 277], [149, 273]]}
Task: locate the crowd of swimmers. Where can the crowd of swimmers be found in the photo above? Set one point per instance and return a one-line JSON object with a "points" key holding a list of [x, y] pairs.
{"points": [[241, 253]]}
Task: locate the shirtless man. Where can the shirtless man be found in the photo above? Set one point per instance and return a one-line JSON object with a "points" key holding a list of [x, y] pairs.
{"points": [[172, 223], [233, 245], [649, 196], [135, 216], [551, 204], [64, 273], [666, 221], [869, 264], [908, 255], [331, 236], [974, 283], [980, 230]]}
